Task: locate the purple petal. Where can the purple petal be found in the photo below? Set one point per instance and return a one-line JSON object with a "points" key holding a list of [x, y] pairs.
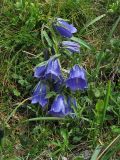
{"points": [[58, 104], [73, 49], [63, 31], [39, 94], [37, 89], [53, 70], [43, 101], [40, 71], [77, 71], [70, 43], [35, 99], [77, 79], [71, 46], [68, 26], [59, 107], [55, 114], [76, 84]]}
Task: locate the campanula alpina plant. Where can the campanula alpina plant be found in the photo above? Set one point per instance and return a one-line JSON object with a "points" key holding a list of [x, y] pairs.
{"points": [[52, 77]]}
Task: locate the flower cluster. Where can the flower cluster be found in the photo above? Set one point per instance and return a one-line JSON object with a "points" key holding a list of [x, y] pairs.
{"points": [[51, 78]]}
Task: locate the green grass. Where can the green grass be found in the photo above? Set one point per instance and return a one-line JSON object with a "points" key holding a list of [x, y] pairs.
{"points": [[28, 133]]}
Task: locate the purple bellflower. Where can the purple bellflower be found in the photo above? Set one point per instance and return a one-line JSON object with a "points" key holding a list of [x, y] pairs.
{"points": [[64, 28], [50, 70], [77, 78], [39, 94], [71, 46], [53, 70], [59, 107], [40, 71]]}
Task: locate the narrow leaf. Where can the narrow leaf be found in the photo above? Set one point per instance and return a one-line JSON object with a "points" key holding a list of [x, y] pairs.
{"points": [[113, 28], [43, 118], [92, 22], [96, 153], [50, 94], [47, 38], [81, 42], [106, 101]]}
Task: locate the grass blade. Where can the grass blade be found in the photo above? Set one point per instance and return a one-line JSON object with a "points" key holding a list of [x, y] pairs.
{"points": [[43, 118], [92, 22], [47, 38], [106, 101], [113, 29], [96, 153], [81, 42], [115, 141], [14, 111]]}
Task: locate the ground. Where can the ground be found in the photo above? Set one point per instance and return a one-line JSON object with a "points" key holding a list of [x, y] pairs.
{"points": [[95, 129]]}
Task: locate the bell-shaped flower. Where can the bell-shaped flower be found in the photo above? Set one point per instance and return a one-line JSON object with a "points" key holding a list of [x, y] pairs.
{"points": [[39, 94], [71, 46], [59, 107], [64, 28], [53, 70], [77, 78], [40, 71]]}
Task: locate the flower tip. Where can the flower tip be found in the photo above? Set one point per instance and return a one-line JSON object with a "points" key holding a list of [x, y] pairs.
{"points": [[64, 28]]}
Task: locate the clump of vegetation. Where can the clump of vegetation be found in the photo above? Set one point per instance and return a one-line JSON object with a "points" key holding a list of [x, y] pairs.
{"points": [[25, 131]]}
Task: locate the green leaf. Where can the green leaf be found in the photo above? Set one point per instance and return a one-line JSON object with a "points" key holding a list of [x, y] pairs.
{"points": [[106, 100], [45, 35], [42, 63], [99, 108], [81, 42], [113, 29], [97, 92], [16, 92], [96, 153], [23, 82], [43, 119], [50, 94], [115, 129]]}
